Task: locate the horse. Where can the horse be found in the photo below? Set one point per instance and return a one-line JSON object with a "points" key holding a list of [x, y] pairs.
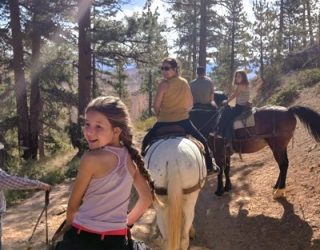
{"points": [[274, 127], [178, 169]]}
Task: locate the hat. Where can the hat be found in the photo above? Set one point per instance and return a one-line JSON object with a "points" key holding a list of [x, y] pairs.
{"points": [[201, 70]]}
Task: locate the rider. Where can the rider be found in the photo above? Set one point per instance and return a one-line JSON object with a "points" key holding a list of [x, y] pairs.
{"points": [[172, 104], [202, 89], [14, 182], [241, 93]]}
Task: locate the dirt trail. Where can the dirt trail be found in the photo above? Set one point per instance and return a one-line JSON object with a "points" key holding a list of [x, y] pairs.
{"points": [[244, 219]]}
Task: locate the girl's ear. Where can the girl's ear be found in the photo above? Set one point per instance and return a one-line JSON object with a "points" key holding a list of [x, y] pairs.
{"points": [[117, 131]]}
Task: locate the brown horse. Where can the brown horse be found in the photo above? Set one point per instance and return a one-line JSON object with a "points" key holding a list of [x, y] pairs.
{"points": [[274, 127]]}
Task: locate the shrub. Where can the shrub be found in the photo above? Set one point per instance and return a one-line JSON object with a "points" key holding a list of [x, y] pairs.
{"points": [[272, 75], [309, 77], [285, 96]]}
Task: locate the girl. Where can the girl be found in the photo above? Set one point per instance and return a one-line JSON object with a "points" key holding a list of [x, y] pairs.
{"points": [[242, 95], [172, 104], [98, 204]]}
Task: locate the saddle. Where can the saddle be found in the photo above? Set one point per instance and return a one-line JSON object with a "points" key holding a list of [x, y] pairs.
{"points": [[245, 119], [170, 131]]}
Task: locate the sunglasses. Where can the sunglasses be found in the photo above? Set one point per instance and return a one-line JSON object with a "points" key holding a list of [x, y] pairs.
{"points": [[165, 68]]}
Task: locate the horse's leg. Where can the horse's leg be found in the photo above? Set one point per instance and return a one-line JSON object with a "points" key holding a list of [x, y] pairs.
{"points": [[221, 163], [281, 157], [228, 185], [189, 203]]}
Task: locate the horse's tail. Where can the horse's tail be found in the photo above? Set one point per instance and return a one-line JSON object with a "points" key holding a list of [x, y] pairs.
{"points": [[174, 217], [309, 118]]}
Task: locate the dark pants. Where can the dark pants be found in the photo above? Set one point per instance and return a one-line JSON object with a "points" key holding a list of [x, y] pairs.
{"points": [[225, 125], [189, 128], [89, 241]]}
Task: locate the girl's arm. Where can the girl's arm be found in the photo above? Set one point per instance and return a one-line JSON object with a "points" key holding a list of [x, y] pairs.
{"points": [[234, 94], [144, 192], [81, 183], [163, 87]]}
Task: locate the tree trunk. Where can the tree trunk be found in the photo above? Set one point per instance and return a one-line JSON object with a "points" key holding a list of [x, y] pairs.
{"points": [[150, 88], [203, 33], [309, 22], [84, 71], [280, 34], [194, 42], [35, 99], [261, 59], [232, 53], [20, 82], [304, 25]]}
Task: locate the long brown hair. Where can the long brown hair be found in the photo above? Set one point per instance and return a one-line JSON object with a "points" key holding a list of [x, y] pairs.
{"points": [[244, 76], [117, 114]]}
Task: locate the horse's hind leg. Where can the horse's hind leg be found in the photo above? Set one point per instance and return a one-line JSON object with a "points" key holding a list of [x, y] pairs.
{"points": [[189, 202], [228, 185], [221, 164], [281, 157]]}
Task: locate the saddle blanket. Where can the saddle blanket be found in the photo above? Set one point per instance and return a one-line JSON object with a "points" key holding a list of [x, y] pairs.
{"points": [[244, 122]]}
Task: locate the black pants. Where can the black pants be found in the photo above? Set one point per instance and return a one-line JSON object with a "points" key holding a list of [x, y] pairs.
{"points": [[89, 241], [225, 124], [189, 129]]}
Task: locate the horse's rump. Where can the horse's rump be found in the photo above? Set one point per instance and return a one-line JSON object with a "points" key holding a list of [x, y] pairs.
{"points": [[176, 152], [269, 121]]}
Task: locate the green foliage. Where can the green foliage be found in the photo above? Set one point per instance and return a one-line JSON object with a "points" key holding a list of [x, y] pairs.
{"points": [[309, 77], [272, 75], [76, 137], [72, 168], [285, 97]]}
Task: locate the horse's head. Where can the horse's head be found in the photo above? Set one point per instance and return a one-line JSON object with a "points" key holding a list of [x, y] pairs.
{"points": [[219, 97]]}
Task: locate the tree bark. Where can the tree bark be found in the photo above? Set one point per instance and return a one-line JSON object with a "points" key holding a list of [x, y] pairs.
{"points": [[203, 33], [84, 70], [35, 99], [20, 82], [309, 22]]}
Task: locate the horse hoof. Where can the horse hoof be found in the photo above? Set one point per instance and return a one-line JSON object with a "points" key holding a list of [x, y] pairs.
{"points": [[192, 233], [279, 193], [219, 192], [227, 188]]}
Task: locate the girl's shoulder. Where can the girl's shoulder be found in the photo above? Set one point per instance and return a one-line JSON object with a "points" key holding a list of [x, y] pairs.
{"points": [[99, 158]]}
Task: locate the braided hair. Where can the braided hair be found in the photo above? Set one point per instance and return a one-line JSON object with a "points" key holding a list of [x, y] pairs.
{"points": [[117, 114]]}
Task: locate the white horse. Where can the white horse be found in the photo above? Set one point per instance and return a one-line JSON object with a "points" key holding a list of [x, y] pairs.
{"points": [[178, 168]]}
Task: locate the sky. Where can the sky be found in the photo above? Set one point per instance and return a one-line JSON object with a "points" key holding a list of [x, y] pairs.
{"points": [[137, 6]]}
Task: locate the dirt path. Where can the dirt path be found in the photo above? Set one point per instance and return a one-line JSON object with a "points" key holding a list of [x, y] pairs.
{"points": [[245, 219]]}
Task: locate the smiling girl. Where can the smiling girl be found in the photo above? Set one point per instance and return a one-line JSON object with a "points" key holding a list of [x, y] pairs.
{"points": [[98, 204]]}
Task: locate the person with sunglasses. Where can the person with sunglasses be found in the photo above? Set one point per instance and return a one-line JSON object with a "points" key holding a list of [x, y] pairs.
{"points": [[172, 104]]}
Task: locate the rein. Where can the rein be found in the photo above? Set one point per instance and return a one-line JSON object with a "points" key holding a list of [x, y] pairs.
{"points": [[208, 121], [45, 209]]}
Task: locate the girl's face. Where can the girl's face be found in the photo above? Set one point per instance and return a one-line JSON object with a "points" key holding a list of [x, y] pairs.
{"points": [[99, 132], [238, 78], [167, 71]]}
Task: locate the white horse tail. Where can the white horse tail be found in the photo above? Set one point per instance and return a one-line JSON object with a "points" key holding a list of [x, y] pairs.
{"points": [[174, 218]]}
